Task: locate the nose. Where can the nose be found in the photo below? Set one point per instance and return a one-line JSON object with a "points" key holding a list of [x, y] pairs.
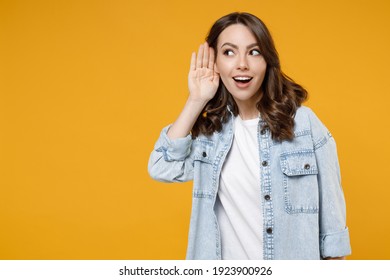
{"points": [[243, 63]]}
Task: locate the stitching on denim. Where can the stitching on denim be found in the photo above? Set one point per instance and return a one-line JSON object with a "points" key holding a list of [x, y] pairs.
{"points": [[322, 141], [302, 132], [297, 134], [299, 152], [204, 141], [217, 239], [294, 172], [268, 215], [203, 159], [215, 177], [334, 232], [290, 209], [202, 194]]}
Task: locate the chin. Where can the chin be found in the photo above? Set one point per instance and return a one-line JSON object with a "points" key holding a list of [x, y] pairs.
{"points": [[244, 95]]}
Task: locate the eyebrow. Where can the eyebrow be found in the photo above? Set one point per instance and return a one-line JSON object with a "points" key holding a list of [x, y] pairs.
{"points": [[236, 47]]}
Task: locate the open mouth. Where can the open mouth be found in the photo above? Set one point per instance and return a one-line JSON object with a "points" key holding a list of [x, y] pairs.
{"points": [[243, 80]]}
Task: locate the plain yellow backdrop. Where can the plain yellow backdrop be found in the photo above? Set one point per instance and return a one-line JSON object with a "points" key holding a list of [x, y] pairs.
{"points": [[86, 86]]}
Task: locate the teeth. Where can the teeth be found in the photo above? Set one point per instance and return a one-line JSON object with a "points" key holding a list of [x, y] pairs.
{"points": [[242, 78]]}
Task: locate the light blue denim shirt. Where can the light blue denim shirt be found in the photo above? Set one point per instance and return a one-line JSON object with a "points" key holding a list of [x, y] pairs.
{"points": [[302, 198]]}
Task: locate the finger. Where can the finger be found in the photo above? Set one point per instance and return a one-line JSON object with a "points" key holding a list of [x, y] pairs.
{"points": [[192, 65], [211, 59], [200, 57], [205, 55]]}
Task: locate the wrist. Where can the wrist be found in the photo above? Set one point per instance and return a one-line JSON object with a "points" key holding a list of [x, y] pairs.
{"points": [[198, 102]]}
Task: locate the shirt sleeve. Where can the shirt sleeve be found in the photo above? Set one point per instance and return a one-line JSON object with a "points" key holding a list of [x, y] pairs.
{"points": [[170, 160], [334, 234]]}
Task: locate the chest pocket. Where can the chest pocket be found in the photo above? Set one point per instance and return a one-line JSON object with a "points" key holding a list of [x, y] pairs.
{"points": [[300, 182], [204, 154]]}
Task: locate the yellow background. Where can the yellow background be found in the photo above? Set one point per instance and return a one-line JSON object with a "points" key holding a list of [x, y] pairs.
{"points": [[86, 86]]}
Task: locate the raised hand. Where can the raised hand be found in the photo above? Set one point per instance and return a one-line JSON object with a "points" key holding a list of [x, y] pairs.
{"points": [[203, 81], [203, 84]]}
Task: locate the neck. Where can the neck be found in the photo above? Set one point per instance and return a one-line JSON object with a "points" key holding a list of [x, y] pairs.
{"points": [[249, 115], [247, 109]]}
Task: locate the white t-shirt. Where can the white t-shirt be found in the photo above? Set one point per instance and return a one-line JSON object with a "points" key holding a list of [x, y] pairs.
{"points": [[238, 206]]}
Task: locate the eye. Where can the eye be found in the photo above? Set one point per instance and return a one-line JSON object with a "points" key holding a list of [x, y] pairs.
{"points": [[255, 52], [228, 52]]}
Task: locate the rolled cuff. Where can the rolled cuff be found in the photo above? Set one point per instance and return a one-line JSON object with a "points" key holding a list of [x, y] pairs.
{"points": [[175, 149], [335, 244]]}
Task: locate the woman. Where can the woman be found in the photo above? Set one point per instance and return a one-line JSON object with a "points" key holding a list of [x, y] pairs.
{"points": [[265, 169]]}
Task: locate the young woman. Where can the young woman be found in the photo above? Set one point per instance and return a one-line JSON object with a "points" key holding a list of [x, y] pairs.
{"points": [[265, 169]]}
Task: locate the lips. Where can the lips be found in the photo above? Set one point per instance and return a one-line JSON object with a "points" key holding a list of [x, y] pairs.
{"points": [[242, 82]]}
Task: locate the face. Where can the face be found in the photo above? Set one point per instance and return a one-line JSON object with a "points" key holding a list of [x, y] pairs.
{"points": [[240, 64]]}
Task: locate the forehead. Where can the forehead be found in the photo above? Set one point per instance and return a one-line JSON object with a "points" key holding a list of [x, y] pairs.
{"points": [[237, 34]]}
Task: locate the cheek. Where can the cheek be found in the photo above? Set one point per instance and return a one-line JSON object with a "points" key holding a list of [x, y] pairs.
{"points": [[222, 68], [261, 67]]}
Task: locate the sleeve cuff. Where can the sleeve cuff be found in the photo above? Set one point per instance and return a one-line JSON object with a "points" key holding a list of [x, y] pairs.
{"points": [[335, 244], [176, 149]]}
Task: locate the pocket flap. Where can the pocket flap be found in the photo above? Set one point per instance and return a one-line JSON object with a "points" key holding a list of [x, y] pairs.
{"points": [[302, 162], [204, 151]]}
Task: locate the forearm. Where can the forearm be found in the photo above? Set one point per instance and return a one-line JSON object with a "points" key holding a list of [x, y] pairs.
{"points": [[187, 118]]}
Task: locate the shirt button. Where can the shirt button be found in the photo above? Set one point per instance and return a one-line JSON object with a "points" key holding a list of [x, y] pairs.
{"points": [[264, 163], [269, 230], [263, 131], [204, 154], [267, 197], [307, 166]]}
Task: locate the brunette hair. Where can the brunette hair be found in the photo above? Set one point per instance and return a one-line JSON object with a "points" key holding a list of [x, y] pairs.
{"points": [[280, 95]]}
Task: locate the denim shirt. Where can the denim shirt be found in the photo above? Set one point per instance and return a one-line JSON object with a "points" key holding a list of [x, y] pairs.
{"points": [[302, 198]]}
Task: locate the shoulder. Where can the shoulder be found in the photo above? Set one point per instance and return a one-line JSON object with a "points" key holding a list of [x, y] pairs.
{"points": [[306, 118], [304, 113]]}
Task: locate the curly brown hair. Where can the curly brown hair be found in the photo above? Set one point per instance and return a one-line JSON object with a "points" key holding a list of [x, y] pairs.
{"points": [[280, 95]]}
